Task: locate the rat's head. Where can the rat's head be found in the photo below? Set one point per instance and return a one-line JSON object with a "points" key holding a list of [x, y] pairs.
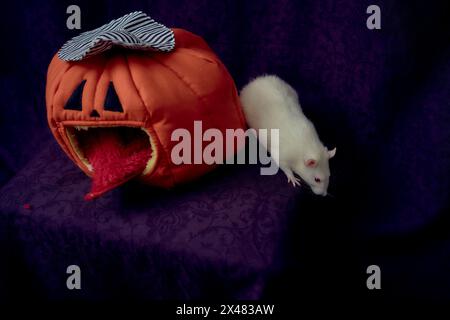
{"points": [[315, 170]]}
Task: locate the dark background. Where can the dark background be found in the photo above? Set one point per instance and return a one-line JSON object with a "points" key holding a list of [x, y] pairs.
{"points": [[382, 97]]}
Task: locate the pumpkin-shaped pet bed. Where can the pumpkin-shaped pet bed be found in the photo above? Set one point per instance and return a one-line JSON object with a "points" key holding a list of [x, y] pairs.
{"points": [[115, 94]]}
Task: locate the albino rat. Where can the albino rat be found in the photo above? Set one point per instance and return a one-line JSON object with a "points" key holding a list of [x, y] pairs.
{"points": [[271, 103]]}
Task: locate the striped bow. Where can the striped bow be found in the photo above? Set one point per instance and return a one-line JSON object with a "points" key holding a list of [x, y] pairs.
{"points": [[135, 30]]}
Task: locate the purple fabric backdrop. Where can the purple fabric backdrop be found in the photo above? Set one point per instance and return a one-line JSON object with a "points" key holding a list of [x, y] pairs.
{"points": [[382, 97]]}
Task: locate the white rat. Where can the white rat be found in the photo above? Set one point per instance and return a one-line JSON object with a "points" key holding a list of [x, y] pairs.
{"points": [[271, 103]]}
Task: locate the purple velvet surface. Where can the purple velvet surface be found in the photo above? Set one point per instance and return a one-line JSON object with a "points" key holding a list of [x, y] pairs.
{"points": [[219, 236], [382, 97]]}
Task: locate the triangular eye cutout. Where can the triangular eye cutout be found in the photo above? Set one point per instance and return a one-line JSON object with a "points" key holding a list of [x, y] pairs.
{"points": [[74, 102], [112, 102]]}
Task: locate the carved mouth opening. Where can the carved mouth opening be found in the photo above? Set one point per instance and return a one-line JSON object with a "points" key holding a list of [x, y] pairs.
{"points": [[112, 155]]}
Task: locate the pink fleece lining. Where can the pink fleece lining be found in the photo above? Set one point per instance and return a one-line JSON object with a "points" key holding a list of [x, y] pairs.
{"points": [[117, 155]]}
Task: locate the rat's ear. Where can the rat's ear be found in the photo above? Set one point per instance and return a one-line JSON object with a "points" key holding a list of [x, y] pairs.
{"points": [[331, 153], [311, 163]]}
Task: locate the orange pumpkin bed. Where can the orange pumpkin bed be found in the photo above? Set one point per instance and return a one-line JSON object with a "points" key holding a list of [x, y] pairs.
{"points": [[113, 113]]}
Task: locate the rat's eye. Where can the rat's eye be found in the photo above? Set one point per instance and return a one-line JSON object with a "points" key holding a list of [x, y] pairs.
{"points": [[317, 180]]}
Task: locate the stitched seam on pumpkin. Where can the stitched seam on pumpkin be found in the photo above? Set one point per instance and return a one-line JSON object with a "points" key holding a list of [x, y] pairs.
{"points": [[104, 123], [180, 77], [96, 87], [190, 52], [166, 153], [223, 69], [235, 94], [199, 97], [57, 88]]}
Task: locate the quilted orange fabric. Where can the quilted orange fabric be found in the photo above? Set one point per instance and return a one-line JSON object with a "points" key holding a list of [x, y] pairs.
{"points": [[158, 92]]}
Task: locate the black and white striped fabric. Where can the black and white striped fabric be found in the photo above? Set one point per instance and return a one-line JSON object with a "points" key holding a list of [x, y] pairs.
{"points": [[135, 30]]}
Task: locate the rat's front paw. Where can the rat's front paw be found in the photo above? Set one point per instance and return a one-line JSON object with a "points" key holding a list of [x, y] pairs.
{"points": [[292, 178], [295, 181]]}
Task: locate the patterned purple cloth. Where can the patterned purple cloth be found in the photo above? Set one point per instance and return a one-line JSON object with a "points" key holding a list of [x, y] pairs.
{"points": [[381, 97], [218, 236]]}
